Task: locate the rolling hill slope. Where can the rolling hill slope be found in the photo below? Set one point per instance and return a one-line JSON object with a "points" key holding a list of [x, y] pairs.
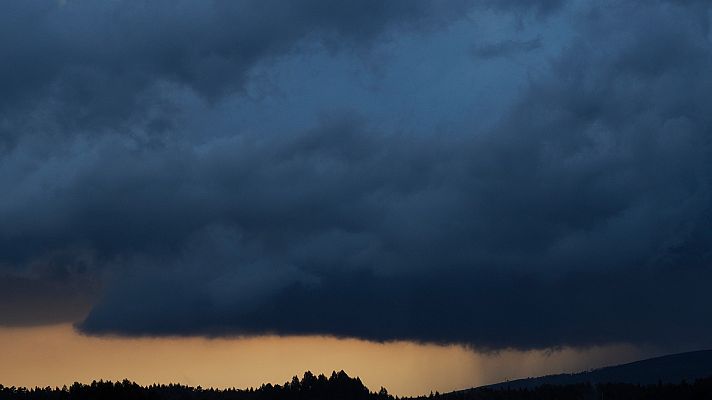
{"points": [[667, 369]]}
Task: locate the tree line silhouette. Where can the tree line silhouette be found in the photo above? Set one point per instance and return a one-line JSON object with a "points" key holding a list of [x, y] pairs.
{"points": [[339, 386]]}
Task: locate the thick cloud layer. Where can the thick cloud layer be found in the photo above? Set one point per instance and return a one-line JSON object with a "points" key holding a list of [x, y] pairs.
{"points": [[504, 174]]}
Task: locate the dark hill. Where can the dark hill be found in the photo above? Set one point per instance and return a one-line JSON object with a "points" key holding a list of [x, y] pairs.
{"points": [[673, 368]]}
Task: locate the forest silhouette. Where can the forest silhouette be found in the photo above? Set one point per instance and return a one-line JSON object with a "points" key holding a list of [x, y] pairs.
{"points": [[339, 386]]}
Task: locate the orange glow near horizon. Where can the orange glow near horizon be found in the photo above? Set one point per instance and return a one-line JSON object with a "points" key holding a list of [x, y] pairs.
{"points": [[58, 355]]}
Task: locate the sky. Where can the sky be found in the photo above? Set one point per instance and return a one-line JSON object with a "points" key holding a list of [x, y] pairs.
{"points": [[504, 180]]}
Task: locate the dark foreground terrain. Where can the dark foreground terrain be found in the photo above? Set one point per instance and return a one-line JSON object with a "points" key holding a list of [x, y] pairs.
{"points": [[680, 376], [342, 387], [310, 387]]}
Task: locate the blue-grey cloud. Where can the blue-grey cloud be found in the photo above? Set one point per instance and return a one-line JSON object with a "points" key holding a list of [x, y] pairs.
{"points": [[507, 48], [360, 174]]}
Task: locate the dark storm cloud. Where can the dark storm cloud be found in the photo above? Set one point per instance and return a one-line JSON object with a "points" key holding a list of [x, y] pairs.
{"points": [[579, 216], [507, 48], [101, 65], [50, 290], [541, 7], [28, 302]]}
